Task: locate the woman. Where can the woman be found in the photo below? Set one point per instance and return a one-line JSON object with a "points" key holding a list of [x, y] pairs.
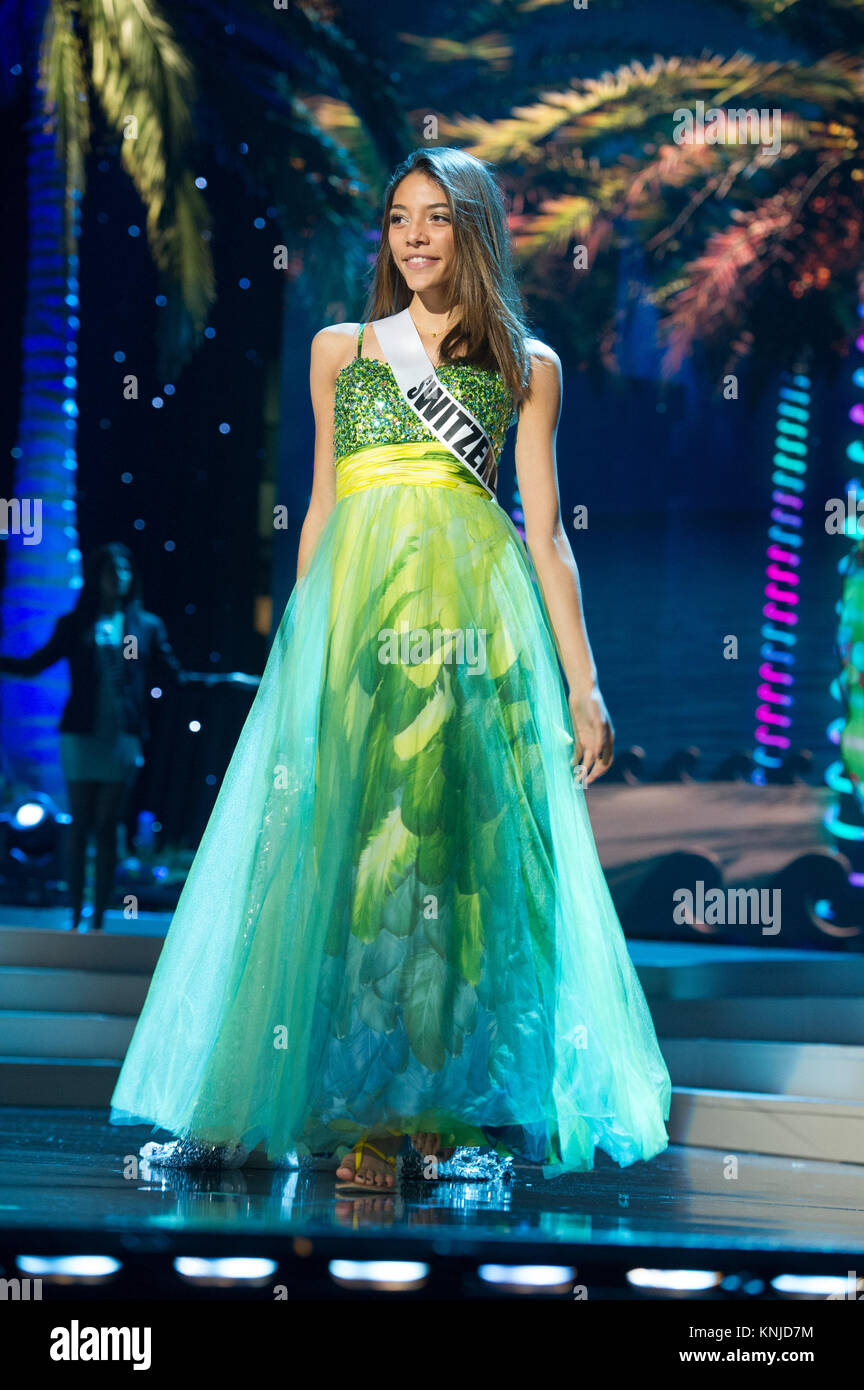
{"points": [[396, 923], [114, 649]]}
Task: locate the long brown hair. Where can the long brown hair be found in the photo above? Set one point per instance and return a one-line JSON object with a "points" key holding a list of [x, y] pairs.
{"points": [[492, 331], [87, 605]]}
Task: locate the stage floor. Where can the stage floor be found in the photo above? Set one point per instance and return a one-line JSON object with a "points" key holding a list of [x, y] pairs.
{"points": [[68, 1182]]}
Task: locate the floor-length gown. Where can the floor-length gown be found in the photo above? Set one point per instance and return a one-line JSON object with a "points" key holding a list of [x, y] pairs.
{"points": [[396, 918]]}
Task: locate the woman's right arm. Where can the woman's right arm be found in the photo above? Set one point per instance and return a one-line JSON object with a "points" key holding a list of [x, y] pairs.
{"points": [[330, 351], [37, 661]]}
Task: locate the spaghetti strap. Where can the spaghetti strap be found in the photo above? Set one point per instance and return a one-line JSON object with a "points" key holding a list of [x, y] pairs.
{"points": [[360, 338]]}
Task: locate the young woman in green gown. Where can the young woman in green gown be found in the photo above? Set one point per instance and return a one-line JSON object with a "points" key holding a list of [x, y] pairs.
{"points": [[396, 924]]}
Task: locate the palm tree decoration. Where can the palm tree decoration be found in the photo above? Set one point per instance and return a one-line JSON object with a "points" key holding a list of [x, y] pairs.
{"points": [[124, 64], [736, 237], [752, 248]]}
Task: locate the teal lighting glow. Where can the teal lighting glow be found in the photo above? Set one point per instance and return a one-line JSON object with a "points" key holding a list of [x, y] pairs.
{"points": [[841, 829], [836, 779]]}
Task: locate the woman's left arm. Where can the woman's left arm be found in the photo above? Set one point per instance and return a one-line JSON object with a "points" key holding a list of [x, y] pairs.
{"points": [[164, 657], [553, 561]]}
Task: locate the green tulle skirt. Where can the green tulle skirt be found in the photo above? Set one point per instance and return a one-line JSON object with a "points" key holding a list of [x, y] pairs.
{"points": [[396, 918]]}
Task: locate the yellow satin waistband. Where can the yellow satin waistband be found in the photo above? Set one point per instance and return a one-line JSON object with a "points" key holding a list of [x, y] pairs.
{"points": [[379, 465]]}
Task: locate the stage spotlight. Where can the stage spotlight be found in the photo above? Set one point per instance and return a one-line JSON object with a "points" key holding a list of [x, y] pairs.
{"points": [[30, 849], [31, 828], [677, 1282], [833, 1286], [529, 1278], [70, 1269], [224, 1273], [389, 1276]]}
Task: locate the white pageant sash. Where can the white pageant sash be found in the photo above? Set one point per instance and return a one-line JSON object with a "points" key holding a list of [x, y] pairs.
{"points": [[450, 422]]}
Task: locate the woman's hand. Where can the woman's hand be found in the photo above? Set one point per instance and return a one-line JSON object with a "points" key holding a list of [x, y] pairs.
{"points": [[593, 732]]}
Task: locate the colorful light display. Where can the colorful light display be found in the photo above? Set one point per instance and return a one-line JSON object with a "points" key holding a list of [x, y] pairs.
{"points": [[776, 672], [845, 818]]}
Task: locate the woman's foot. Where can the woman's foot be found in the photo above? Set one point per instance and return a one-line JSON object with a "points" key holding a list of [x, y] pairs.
{"points": [[428, 1144], [371, 1163]]}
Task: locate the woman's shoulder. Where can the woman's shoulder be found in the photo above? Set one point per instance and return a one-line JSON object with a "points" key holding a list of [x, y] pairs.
{"points": [[141, 619], [332, 347], [541, 353], [545, 378], [545, 372], [332, 340], [334, 333]]}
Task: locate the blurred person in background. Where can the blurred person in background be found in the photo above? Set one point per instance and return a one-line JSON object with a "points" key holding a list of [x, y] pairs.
{"points": [[116, 651]]}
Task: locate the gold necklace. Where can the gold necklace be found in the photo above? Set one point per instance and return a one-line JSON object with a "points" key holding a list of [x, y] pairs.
{"points": [[427, 330]]}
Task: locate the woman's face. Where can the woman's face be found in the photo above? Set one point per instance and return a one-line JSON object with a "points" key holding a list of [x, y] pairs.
{"points": [[116, 577], [421, 232]]}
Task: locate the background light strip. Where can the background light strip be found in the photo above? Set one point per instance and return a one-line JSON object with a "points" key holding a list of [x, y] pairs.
{"points": [[784, 535]]}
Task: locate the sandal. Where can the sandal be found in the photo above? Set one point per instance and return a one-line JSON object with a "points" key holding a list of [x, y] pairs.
{"points": [[389, 1159]]}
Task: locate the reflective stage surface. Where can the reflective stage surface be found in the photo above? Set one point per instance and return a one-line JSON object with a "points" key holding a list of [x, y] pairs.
{"points": [[64, 1173]]}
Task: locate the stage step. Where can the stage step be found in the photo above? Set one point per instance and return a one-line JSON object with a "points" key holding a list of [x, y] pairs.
{"points": [[822, 1019], [742, 1122], [72, 991], [696, 970], [822, 1070], [65, 1082], [61, 950], [76, 1036]]}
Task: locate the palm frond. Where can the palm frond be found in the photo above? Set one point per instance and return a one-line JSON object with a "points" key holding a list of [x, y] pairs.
{"points": [[633, 98], [143, 81], [719, 281], [557, 222], [62, 79], [492, 50], [737, 260], [318, 56]]}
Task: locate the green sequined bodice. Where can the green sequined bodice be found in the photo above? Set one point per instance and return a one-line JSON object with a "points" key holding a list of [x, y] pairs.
{"points": [[370, 408]]}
